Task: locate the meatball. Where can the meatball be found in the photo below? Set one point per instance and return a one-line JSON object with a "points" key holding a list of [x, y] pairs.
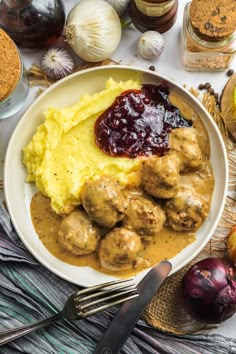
{"points": [[104, 201], [144, 216], [186, 211], [118, 250], [160, 176], [77, 234], [183, 142]]}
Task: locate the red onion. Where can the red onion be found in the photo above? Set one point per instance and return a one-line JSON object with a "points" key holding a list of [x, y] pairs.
{"points": [[209, 290]]}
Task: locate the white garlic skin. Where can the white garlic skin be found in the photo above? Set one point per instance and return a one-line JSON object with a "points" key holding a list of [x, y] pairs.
{"points": [[151, 45], [119, 5], [57, 63], [93, 30]]}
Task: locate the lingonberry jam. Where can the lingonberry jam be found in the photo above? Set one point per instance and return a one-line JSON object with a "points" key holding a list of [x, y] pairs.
{"points": [[138, 123]]}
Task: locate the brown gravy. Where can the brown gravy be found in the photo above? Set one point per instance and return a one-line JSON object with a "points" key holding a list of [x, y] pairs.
{"points": [[165, 245]]}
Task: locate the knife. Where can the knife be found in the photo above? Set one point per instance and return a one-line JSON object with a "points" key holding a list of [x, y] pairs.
{"points": [[129, 313]]}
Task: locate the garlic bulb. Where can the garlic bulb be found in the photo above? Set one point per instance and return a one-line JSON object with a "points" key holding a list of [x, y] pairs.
{"points": [[93, 30], [119, 5], [57, 63], [151, 45]]}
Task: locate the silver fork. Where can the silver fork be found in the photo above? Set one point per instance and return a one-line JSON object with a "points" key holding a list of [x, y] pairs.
{"points": [[81, 304]]}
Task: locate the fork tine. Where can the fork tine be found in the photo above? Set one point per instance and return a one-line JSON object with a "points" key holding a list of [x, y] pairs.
{"points": [[118, 290], [104, 307], [108, 285], [110, 294], [120, 285], [82, 306]]}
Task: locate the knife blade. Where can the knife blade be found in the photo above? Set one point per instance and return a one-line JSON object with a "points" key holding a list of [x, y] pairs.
{"points": [[129, 313]]}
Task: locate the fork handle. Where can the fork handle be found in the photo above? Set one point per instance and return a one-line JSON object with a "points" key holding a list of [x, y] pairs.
{"points": [[9, 335]]}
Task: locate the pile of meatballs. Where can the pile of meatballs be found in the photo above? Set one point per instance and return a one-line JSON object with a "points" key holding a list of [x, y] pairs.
{"points": [[116, 222]]}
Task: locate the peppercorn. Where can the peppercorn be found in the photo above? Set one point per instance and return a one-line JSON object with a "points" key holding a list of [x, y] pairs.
{"points": [[211, 90], [152, 68], [230, 72], [207, 85], [216, 95], [201, 87]]}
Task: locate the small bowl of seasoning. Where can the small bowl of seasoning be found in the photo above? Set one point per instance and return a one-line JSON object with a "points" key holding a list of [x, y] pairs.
{"points": [[14, 83]]}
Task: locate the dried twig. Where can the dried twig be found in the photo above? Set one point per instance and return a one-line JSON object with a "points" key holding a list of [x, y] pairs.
{"points": [[38, 77]]}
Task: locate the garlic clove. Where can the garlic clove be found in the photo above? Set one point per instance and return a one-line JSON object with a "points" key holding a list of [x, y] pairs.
{"points": [[119, 5], [57, 63], [151, 45]]}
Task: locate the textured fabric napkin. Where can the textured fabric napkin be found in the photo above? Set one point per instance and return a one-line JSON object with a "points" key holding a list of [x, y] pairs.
{"points": [[29, 292]]}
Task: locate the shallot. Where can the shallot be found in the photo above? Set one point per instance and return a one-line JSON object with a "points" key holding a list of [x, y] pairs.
{"points": [[209, 290]]}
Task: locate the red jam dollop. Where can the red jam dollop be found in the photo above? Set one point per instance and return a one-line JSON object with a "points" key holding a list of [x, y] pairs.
{"points": [[138, 123]]}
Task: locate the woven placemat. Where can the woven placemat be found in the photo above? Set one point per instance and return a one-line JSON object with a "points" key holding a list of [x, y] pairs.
{"points": [[166, 312]]}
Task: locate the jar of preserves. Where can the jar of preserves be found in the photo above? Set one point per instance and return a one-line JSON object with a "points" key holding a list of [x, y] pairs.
{"points": [[208, 35], [14, 84], [156, 15]]}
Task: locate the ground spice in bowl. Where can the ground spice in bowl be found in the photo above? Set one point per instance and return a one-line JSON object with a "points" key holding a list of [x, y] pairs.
{"points": [[10, 65], [14, 83]]}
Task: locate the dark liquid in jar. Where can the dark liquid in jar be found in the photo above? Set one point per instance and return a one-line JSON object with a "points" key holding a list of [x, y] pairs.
{"points": [[138, 123], [32, 24]]}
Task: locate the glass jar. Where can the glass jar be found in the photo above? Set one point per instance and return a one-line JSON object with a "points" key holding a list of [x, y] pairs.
{"points": [[156, 15], [32, 23], [198, 54], [13, 78]]}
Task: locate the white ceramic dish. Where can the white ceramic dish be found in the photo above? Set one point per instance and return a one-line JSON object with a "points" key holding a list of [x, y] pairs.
{"points": [[64, 93]]}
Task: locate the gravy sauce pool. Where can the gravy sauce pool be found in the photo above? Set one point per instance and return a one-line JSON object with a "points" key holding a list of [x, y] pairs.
{"points": [[165, 245]]}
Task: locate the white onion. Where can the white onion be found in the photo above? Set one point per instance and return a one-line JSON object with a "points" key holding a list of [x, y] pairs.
{"points": [[93, 30]]}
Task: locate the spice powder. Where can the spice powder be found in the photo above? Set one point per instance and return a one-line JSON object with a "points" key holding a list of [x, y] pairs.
{"points": [[10, 65]]}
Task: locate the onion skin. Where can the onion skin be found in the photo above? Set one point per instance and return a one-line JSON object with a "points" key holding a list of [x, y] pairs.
{"points": [[209, 291]]}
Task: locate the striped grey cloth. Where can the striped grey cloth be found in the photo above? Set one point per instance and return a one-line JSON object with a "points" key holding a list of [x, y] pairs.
{"points": [[29, 292]]}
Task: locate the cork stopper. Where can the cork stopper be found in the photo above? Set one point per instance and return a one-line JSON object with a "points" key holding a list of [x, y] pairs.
{"points": [[10, 65], [213, 20]]}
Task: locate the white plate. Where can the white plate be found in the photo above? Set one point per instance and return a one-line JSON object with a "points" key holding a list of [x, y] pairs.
{"points": [[64, 93]]}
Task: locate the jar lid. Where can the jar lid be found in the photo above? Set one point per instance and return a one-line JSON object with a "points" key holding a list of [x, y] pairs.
{"points": [[151, 8], [10, 65], [213, 20], [160, 24]]}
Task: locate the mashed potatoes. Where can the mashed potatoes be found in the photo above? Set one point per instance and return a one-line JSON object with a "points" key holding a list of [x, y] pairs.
{"points": [[62, 154]]}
